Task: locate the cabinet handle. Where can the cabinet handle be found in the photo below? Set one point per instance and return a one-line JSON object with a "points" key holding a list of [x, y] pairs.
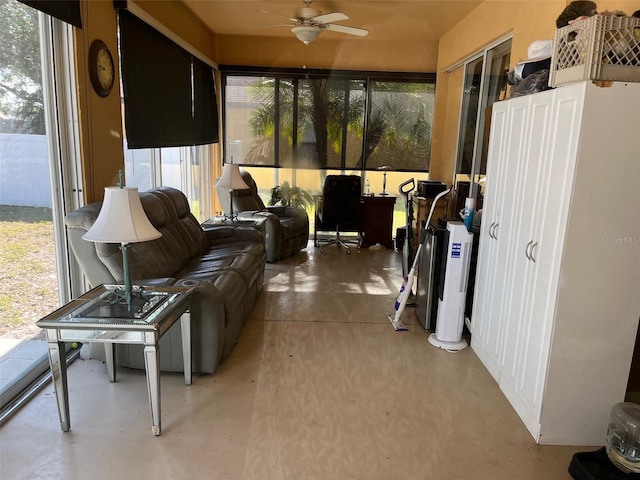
{"points": [[533, 259], [494, 231], [526, 250], [489, 230]]}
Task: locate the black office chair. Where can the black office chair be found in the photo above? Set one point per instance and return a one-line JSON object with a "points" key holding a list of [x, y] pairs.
{"points": [[338, 210]]}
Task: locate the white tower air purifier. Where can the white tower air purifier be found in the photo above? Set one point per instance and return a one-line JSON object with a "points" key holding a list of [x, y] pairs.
{"points": [[453, 291]]}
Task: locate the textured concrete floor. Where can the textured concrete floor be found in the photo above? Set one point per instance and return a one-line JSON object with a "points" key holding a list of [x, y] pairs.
{"points": [[319, 386]]}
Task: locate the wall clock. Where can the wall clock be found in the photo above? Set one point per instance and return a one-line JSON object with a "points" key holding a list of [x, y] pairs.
{"points": [[101, 68]]}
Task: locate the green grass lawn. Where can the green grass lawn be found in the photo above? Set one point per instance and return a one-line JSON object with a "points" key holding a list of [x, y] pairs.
{"points": [[27, 269]]}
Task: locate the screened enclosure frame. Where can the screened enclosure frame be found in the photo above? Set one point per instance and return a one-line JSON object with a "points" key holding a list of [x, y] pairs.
{"points": [[345, 84]]}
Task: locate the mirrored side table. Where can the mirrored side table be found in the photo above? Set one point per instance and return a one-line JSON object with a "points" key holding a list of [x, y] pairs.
{"points": [[101, 316]]}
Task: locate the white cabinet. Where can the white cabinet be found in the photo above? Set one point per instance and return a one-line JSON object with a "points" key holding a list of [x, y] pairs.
{"points": [[557, 299]]}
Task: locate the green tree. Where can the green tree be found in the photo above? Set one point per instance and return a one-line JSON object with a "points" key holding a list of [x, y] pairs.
{"points": [[21, 97]]}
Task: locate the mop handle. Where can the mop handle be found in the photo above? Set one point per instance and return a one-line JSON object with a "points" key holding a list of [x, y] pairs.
{"points": [[433, 206]]}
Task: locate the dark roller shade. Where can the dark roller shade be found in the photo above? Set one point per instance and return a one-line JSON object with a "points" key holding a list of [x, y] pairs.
{"points": [[205, 114], [169, 95], [65, 10]]}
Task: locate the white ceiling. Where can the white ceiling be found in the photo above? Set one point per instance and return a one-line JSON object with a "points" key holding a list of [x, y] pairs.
{"points": [[412, 20]]}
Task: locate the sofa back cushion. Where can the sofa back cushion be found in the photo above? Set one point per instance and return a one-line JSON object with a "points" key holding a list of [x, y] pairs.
{"points": [[182, 238]]}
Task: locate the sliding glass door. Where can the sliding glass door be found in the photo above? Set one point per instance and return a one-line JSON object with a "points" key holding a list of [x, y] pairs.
{"points": [[38, 184], [485, 82]]}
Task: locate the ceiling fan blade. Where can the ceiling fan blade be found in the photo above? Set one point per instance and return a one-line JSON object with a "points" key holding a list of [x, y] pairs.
{"points": [[278, 15], [279, 25], [330, 17], [360, 32]]}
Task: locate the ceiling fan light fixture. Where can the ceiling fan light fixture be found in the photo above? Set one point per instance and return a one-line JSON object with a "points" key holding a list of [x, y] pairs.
{"points": [[306, 34]]}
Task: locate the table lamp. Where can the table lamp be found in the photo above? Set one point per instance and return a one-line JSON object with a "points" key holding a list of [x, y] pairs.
{"points": [[231, 180], [385, 169], [122, 220]]}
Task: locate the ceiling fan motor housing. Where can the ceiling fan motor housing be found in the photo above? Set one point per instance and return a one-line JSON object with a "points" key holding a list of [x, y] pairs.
{"points": [[306, 13]]}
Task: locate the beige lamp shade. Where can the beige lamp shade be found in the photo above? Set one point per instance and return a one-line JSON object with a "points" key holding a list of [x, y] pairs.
{"points": [[231, 178], [121, 219]]}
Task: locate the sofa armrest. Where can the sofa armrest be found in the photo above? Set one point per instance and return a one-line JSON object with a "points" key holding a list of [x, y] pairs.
{"points": [[217, 234], [154, 282], [288, 212]]}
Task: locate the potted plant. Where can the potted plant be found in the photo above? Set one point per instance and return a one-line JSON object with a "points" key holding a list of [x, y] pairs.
{"points": [[289, 196]]}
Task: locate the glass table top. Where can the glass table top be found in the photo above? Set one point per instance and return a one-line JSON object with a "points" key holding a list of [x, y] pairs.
{"points": [[106, 305]]}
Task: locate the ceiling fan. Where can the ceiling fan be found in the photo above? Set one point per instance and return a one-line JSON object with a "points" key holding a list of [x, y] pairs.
{"points": [[309, 22]]}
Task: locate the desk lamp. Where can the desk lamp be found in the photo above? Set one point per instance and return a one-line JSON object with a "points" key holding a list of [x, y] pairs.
{"points": [[231, 180], [384, 168], [122, 220]]}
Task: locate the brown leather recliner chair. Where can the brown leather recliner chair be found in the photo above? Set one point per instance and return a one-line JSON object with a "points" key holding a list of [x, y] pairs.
{"points": [[286, 229]]}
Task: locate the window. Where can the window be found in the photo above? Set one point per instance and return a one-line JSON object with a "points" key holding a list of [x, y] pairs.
{"points": [[301, 125], [399, 125], [184, 168], [485, 81], [328, 120]]}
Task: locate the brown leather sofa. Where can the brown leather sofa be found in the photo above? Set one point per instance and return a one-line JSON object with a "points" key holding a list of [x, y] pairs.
{"points": [[225, 263]]}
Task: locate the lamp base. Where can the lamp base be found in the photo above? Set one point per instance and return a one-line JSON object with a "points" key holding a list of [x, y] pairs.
{"points": [[119, 295], [135, 306]]}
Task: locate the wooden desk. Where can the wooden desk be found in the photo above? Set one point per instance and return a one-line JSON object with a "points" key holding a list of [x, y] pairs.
{"points": [[377, 220]]}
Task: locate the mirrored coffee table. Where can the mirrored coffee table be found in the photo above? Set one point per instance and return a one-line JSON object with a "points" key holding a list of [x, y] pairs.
{"points": [[101, 316]]}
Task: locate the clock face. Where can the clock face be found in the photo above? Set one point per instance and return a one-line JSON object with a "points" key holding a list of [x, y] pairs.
{"points": [[101, 68]]}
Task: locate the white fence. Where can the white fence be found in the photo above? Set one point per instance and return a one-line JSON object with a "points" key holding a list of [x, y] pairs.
{"points": [[24, 170]]}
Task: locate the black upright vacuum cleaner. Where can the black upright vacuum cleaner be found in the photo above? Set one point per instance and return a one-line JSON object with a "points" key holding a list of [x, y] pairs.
{"points": [[405, 190]]}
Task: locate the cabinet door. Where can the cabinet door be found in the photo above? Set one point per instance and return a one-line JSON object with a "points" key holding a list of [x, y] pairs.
{"points": [[538, 242], [506, 146], [531, 200], [547, 245], [483, 330]]}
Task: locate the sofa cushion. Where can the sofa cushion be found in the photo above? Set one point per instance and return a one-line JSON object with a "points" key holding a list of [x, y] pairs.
{"points": [[245, 264], [253, 248], [229, 284]]}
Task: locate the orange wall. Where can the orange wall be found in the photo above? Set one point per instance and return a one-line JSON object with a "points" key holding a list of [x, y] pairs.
{"points": [[100, 125], [100, 118]]}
